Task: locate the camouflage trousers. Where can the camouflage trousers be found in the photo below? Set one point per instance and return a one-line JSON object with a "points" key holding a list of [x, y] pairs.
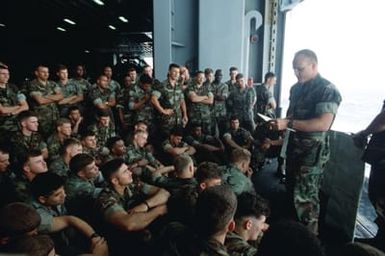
{"points": [[304, 172]]}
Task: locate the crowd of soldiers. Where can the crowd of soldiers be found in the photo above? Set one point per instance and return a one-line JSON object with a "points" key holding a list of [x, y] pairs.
{"points": [[146, 168], [156, 143]]}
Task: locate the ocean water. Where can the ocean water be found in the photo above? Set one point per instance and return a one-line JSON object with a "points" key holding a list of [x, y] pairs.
{"points": [[358, 108]]}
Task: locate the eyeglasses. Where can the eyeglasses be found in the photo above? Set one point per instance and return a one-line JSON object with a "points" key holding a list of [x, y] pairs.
{"points": [[299, 69]]}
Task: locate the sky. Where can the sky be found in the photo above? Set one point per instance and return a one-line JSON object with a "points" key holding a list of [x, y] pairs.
{"points": [[347, 36]]}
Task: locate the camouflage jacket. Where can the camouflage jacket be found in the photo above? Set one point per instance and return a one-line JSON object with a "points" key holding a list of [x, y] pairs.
{"points": [[9, 97], [237, 246]]}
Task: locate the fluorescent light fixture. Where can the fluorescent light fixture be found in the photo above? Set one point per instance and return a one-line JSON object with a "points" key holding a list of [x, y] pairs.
{"points": [[123, 19], [99, 2], [2, 25], [112, 27], [70, 21], [86, 51], [61, 29]]}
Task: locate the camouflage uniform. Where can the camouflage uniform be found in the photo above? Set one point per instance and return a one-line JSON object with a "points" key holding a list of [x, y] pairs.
{"points": [[237, 246], [21, 144], [173, 185], [240, 136], [47, 114], [308, 152], [168, 158], [241, 103], [264, 98], [109, 202], [70, 89], [97, 96], [170, 98], [81, 194], [9, 97], [200, 113], [220, 112], [83, 84], [59, 167], [22, 190], [54, 145], [102, 133], [239, 183], [203, 154], [146, 112], [211, 248], [114, 86], [123, 104], [135, 154], [231, 86]]}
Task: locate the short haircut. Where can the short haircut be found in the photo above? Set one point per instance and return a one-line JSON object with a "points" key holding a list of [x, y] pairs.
{"points": [[80, 161], [61, 67], [269, 75], [207, 171], [37, 245], [239, 76], [24, 158], [199, 72], [40, 66], [111, 167], [308, 54], [173, 65], [234, 117], [17, 219], [87, 133], [111, 142], [62, 121], [218, 72], [250, 204], [239, 155], [294, 239], [145, 79], [177, 131], [196, 125], [67, 143], [102, 113], [181, 162], [25, 115], [208, 71], [215, 208], [44, 184], [73, 108], [233, 69]]}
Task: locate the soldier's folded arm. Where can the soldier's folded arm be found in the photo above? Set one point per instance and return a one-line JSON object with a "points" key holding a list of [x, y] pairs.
{"points": [[56, 97], [134, 221], [61, 222], [209, 100], [42, 100], [196, 98], [8, 110]]}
